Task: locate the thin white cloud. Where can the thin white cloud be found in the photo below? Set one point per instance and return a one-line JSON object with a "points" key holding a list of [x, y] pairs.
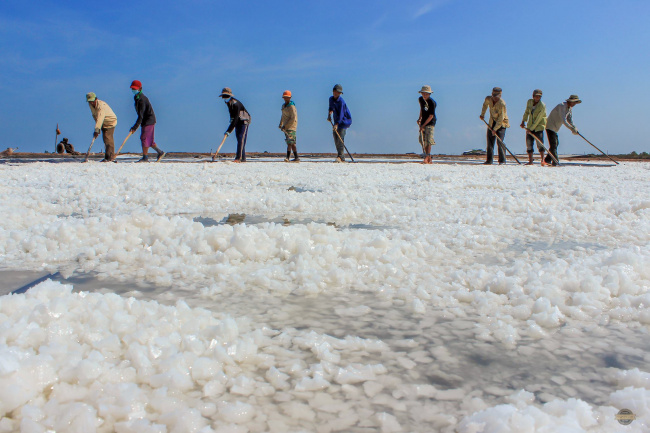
{"points": [[429, 7]]}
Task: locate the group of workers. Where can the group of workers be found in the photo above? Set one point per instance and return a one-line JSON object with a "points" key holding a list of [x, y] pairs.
{"points": [[534, 121]]}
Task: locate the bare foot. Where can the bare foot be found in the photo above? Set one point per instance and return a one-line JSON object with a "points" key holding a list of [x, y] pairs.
{"points": [[545, 164]]}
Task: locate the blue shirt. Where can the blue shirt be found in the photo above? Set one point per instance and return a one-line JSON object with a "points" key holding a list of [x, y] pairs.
{"points": [[340, 113]]}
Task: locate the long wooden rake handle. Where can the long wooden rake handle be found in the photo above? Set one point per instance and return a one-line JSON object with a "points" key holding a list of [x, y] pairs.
{"points": [[219, 148], [597, 148], [123, 143], [91, 146]]}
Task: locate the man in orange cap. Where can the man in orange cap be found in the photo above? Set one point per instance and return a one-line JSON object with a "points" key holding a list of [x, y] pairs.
{"points": [[288, 125], [146, 120]]}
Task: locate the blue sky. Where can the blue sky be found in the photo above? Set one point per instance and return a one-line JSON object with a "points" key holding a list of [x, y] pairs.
{"points": [[382, 52]]}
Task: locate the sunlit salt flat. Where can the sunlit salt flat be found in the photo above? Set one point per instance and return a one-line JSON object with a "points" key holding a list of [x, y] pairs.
{"points": [[323, 297]]}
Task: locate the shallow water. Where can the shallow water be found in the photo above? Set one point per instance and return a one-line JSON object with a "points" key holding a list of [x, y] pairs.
{"points": [[236, 218], [439, 349]]}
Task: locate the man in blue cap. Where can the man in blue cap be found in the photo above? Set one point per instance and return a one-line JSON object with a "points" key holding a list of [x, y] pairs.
{"points": [[342, 120]]}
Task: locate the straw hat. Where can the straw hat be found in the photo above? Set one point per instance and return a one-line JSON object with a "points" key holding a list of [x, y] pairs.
{"points": [[426, 89], [574, 98], [226, 91]]}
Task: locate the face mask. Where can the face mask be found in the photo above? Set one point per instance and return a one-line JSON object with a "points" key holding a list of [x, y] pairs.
{"points": [[135, 91]]}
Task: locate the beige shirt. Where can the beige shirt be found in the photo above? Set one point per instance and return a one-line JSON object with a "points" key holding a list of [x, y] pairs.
{"points": [[289, 120], [103, 115], [498, 113]]}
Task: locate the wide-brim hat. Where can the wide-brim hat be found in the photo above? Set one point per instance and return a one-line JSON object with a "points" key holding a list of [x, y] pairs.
{"points": [[226, 91], [426, 89], [574, 98]]}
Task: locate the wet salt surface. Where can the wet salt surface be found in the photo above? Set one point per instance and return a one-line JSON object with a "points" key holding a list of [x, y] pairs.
{"points": [[468, 288], [234, 219], [439, 349]]}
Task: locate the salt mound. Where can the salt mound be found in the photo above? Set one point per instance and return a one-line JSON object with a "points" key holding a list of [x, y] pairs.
{"points": [[83, 362]]}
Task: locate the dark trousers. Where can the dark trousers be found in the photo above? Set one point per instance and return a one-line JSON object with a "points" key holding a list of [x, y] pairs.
{"points": [[109, 142], [241, 131], [491, 140], [339, 138], [553, 143]]}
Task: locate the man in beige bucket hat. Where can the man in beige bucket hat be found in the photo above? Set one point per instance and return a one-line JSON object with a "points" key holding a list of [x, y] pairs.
{"points": [[427, 122], [562, 114]]}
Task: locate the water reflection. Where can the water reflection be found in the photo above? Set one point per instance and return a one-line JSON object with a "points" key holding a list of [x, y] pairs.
{"points": [[240, 218]]}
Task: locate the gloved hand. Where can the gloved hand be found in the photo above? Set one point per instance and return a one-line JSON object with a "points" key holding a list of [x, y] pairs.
{"points": [[329, 118], [95, 134], [133, 130]]}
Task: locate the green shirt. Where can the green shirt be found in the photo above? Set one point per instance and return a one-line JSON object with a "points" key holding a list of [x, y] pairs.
{"points": [[536, 120]]}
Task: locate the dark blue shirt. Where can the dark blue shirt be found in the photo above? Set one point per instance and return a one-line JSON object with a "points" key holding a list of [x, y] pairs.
{"points": [[340, 113]]}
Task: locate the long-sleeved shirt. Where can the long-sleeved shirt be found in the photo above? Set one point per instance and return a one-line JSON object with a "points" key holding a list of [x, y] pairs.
{"points": [[535, 117], [340, 112], [143, 107], [498, 113], [289, 120], [238, 114], [561, 115], [103, 115]]}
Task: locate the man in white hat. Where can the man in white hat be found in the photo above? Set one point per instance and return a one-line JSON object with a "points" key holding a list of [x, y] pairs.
{"points": [[427, 122], [562, 114]]}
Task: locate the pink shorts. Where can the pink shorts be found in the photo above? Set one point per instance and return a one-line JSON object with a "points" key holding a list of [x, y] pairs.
{"points": [[146, 135]]}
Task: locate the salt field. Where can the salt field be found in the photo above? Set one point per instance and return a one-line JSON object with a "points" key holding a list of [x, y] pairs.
{"points": [[314, 297]]}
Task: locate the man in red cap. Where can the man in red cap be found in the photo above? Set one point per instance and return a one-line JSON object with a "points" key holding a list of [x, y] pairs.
{"points": [[146, 120]]}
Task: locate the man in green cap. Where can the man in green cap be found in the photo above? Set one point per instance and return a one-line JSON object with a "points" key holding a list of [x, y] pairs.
{"points": [[105, 121], [562, 114], [535, 115]]}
